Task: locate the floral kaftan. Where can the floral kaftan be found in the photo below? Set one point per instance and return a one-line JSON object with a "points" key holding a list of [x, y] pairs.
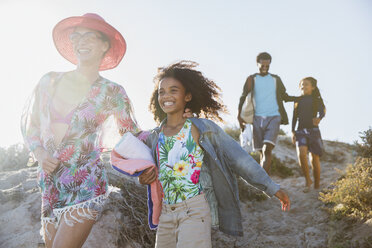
{"points": [[80, 181]]}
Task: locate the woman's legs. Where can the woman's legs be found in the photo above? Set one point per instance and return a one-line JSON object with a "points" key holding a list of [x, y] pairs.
{"points": [[49, 234], [315, 162], [302, 158], [72, 236]]}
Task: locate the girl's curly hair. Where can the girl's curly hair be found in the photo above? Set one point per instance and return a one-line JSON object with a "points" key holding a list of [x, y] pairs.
{"points": [[205, 102]]}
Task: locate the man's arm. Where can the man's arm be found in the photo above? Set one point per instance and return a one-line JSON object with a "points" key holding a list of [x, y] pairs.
{"points": [[283, 92]]}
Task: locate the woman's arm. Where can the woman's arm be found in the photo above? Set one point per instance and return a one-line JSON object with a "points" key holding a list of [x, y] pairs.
{"points": [[124, 114], [30, 121], [30, 125]]}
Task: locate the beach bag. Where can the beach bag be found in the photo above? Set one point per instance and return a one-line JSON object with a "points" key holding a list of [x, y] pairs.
{"points": [[247, 111]]}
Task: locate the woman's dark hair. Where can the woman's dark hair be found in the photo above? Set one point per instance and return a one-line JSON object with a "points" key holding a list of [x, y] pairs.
{"points": [[105, 38], [205, 102], [317, 98], [263, 56]]}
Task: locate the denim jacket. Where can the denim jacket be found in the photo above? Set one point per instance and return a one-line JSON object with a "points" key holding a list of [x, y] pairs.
{"points": [[223, 158]]}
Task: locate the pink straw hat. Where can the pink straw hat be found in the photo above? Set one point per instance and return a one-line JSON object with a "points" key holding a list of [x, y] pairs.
{"points": [[63, 30]]}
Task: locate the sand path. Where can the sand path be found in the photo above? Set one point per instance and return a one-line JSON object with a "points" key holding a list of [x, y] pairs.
{"points": [[305, 225]]}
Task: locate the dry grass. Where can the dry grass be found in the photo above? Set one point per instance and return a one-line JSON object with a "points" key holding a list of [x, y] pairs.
{"points": [[134, 223]]}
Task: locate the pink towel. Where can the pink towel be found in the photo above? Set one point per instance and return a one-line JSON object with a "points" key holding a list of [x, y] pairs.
{"points": [[131, 166]]}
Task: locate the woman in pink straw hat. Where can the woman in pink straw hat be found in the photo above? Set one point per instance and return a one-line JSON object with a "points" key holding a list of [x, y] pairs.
{"points": [[63, 128]]}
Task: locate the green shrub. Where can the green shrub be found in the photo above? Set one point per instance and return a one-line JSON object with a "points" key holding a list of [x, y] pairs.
{"points": [[233, 131], [14, 157], [277, 166], [365, 149], [351, 196], [282, 132]]}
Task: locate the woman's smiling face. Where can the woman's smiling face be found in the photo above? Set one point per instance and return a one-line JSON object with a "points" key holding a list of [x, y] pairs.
{"points": [[88, 45]]}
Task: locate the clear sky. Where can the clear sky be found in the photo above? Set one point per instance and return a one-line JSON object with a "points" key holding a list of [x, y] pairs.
{"points": [[329, 40]]}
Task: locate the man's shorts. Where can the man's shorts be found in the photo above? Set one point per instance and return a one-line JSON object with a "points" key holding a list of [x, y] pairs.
{"points": [[265, 130], [311, 138]]}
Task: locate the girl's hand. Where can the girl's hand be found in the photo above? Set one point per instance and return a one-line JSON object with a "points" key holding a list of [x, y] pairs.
{"points": [[293, 138], [148, 176], [284, 200], [188, 113], [316, 121], [47, 162]]}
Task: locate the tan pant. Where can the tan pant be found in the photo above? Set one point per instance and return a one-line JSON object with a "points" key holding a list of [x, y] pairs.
{"points": [[184, 225]]}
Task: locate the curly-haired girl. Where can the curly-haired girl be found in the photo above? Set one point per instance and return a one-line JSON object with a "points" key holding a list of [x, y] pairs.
{"points": [[196, 161]]}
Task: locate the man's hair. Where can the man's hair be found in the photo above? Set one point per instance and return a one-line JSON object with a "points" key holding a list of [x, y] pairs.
{"points": [[263, 56]]}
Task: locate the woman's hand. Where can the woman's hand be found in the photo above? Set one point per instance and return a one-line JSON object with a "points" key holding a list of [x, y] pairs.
{"points": [[293, 138], [148, 176], [284, 200], [47, 162]]}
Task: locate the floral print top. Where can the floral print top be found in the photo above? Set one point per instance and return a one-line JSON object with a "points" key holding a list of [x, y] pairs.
{"points": [[180, 161], [81, 176]]}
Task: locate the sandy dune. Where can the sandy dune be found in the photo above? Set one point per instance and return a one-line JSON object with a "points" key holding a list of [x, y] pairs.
{"points": [[265, 225]]}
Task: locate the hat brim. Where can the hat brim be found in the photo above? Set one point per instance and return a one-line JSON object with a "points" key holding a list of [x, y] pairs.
{"points": [[61, 38]]}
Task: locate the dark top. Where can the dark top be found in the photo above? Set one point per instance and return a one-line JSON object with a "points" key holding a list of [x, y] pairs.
{"points": [[304, 113]]}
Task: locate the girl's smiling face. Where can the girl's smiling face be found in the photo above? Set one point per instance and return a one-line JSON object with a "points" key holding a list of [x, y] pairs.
{"points": [[172, 96], [306, 87]]}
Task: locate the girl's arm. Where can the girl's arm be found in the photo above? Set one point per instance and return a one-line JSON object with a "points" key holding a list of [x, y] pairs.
{"points": [[322, 109], [294, 122], [246, 167], [242, 163], [321, 112], [294, 116]]}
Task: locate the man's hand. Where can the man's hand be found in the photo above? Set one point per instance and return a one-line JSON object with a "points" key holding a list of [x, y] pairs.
{"points": [[47, 162], [284, 200], [148, 176], [316, 121], [188, 113], [241, 123], [293, 138]]}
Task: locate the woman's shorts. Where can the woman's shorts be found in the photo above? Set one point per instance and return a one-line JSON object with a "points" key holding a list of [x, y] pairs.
{"points": [[311, 138]]}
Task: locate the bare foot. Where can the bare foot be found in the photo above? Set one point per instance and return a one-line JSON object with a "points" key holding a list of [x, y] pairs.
{"points": [[309, 183], [308, 186], [306, 190]]}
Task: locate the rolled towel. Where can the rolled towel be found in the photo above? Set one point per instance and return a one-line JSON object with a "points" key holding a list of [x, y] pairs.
{"points": [[130, 147]]}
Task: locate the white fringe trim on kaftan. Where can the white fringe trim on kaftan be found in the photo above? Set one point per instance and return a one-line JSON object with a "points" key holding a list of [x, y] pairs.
{"points": [[83, 210]]}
